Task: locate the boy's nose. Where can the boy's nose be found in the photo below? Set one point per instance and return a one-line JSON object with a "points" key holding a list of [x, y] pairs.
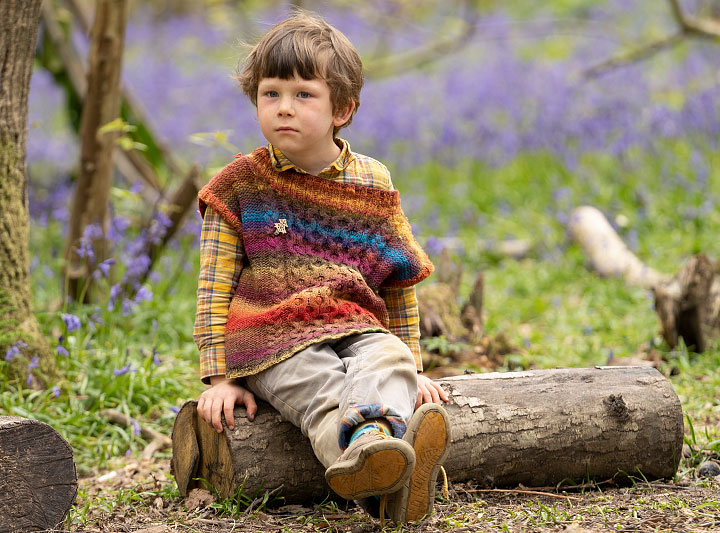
{"points": [[285, 107]]}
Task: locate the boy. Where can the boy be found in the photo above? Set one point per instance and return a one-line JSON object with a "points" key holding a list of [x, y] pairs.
{"points": [[306, 292]]}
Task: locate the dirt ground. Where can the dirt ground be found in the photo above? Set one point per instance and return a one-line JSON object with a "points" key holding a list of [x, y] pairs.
{"points": [[140, 497]]}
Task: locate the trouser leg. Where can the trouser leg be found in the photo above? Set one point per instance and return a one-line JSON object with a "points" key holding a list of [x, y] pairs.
{"points": [[380, 382], [328, 388], [305, 389]]}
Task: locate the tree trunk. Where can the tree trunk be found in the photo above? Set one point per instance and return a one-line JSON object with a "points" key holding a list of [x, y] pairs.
{"points": [[19, 22], [537, 428], [101, 106], [38, 481]]}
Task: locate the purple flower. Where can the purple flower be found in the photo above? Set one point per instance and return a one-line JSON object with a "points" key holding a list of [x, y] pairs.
{"points": [[61, 350], [128, 307], [114, 293], [29, 380], [124, 370], [155, 357], [71, 322], [174, 409], [56, 391], [12, 352], [34, 363], [136, 426], [104, 267], [143, 294]]}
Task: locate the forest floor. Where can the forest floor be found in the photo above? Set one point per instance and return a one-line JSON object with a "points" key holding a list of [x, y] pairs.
{"points": [[142, 497]]}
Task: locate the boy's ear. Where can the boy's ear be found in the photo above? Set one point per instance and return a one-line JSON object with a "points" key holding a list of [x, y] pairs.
{"points": [[343, 115]]}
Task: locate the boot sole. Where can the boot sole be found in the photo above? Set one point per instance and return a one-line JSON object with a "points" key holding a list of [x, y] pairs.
{"points": [[430, 440], [380, 468], [431, 449]]}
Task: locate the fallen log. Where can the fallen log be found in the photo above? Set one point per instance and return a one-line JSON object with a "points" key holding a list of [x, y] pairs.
{"points": [[38, 481], [537, 428], [687, 304]]}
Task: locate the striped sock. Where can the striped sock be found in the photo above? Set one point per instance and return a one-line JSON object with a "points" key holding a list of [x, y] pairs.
{"points": [[364, 427]]}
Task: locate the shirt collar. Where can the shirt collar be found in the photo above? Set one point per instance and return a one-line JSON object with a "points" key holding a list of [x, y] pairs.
{"points": [[280, 162]]}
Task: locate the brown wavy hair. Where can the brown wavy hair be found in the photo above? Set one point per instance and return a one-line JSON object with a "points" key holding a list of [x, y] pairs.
{"points": [[307, 45]]}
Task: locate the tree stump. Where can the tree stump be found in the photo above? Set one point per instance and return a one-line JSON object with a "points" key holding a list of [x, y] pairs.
{"points": [[687, 304], [38, 481], [537, 428]]}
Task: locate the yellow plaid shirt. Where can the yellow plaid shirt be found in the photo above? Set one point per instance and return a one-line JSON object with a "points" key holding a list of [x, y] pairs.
{"points": [[221, 261]]}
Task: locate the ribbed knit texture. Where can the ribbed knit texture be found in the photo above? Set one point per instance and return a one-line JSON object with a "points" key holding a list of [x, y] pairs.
{"points": [[317, 251]]}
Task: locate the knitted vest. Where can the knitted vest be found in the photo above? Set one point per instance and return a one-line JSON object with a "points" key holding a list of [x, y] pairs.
{"points": [[316, 253]]}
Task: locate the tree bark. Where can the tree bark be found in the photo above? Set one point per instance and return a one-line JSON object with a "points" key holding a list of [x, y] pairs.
{"points": [[19, 22], [101, 106], [38, 481], [537, 428]]}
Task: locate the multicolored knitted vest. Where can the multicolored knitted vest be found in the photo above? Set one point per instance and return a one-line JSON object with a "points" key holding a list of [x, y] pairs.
{"points": [[317, 252]]}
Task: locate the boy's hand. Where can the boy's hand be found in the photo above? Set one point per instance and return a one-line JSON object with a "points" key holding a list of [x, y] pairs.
{"points": [[220, 398], [429, 391]]}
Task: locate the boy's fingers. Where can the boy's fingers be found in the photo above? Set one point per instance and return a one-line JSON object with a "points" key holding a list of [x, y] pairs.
{"points": [[251, 406], [229, 415], [217, 407], [442, 395]]}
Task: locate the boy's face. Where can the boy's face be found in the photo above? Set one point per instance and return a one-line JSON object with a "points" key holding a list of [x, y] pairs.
{"points": [[296, 116]]}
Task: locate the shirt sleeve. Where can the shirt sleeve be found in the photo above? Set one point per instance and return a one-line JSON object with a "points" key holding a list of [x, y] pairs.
{"points": [[402, 309], [221, 258]]}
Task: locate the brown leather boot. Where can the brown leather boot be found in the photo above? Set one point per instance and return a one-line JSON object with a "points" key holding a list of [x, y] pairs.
{"points": [[373, 464]]}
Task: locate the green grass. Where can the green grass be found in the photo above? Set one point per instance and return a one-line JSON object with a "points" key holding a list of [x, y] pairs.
{"points": [[549, 303]]}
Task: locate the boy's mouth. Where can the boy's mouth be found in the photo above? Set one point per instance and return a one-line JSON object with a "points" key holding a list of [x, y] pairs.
{"points": [[286, 129]]}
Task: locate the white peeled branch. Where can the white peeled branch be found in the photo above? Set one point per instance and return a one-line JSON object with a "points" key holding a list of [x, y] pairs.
{"points": [[607, 252]]}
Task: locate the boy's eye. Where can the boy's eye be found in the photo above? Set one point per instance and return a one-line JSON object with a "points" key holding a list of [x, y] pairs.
{"points": [[303, 94], [272, 94]]}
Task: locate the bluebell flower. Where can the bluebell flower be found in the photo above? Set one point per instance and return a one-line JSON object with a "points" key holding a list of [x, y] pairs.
{"points": [[12, 352], [114, 293], [124, 370], [72, 322], [136, 426], [56, 391], [104, 267], [144, 294], [128, 307], [34, 363], [175, 409], [61, 350], [155, 357]]}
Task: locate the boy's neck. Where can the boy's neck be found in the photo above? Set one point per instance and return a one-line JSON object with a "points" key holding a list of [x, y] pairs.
{"points": [[315, 162]]}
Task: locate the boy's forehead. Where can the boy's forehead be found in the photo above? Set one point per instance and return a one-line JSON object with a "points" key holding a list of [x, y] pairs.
{"points": [[296, 80]]}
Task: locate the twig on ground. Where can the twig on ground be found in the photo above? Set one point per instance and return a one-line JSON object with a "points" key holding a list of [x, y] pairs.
{"points": [[532, 492], [158, 441], [260, 498]]}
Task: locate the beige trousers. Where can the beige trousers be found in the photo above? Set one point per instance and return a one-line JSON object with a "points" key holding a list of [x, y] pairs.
{"points": [[329, 387]]}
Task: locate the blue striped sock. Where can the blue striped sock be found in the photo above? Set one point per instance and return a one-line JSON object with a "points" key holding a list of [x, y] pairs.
{"points": [[368, 426]]}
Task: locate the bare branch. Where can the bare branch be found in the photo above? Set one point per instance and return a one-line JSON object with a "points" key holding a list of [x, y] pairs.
{"points": [[633, 56], [412, 59], [687, 26]]}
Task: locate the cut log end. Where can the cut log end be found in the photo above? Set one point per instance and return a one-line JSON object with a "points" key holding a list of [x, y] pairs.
{"points": [[38, 480]]}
